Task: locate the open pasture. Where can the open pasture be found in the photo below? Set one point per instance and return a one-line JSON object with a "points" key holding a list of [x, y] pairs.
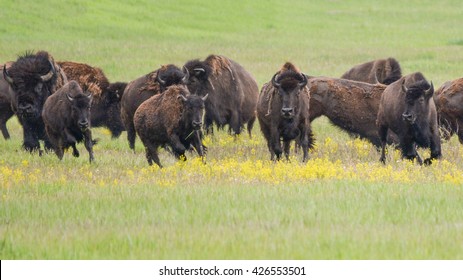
{"points": [[341, 204]]}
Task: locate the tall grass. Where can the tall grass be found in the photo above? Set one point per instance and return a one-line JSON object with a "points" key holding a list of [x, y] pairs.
{"points": [[342, 204]]}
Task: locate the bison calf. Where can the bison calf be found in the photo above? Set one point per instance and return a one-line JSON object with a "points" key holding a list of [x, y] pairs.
{"points": [[66, 115], [283, 112], [407, 108], [172, 118]]}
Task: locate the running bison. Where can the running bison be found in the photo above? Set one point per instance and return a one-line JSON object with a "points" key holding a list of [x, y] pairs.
{"points": [[350, 105], [142, 89], [407, 108], [383, 71], [283, 112], [449, 103], [233, 92], [174, 119], [106, 96], [32, 79], [66, 115], [6, 112]]}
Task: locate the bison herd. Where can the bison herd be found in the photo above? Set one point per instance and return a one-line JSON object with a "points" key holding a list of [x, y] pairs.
{"points": [[58, 102]]}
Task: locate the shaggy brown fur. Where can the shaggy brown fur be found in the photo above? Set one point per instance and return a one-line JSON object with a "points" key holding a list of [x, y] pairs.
{"points": [[384, 71], [449, 103], [91, 79], [349, 105], [171, 118], [233, 92], [142, 89], [67, 120], [6, 112], [407, 108], [283, 112], [35, 77]]}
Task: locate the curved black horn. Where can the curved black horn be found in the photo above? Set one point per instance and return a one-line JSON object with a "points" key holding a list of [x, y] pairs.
{"points": [[70, 98], [6, 76], [180, 96], [274, 81], [159, 79], [304, 80], [429, 91], [404, 88], [205, 97], [199, 69], [186, 77], [49, 75]]}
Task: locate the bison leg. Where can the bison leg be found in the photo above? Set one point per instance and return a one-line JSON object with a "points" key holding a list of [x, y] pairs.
{"points": [[383, 138], [88, 142], [250, 126], [197, 144], [131, 136], [75, 152], [152, 154], [5, 133], [31, 139], [435, 145], [235, 122], [286, 148]]}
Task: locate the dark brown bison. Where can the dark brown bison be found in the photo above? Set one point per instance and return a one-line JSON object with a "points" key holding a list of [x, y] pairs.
{"points": [[283, 112], [66, 115], [350, 105], [141, 89], [383, 71], [173, 119], [449, 103], [233, 92], [106, 96], [32, 78], [6, 112], [407, 108]]}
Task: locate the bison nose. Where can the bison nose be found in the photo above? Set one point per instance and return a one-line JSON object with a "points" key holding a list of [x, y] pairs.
{"points": [[287, 111], [197, 125], [83, 124], [25, 107], [408, 117]]}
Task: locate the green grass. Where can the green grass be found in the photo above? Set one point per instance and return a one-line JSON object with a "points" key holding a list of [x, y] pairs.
{"points": [[342, 204]]}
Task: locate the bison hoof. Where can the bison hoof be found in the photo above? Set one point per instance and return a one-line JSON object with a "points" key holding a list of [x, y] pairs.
{"points": [[75, 153], [428, 161]]}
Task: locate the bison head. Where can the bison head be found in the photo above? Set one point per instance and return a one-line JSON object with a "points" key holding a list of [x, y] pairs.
{"points": [[289, 85], [31, 79], [417, 98], [193, 109], [80, 105], [171, 75], [200, 72]]}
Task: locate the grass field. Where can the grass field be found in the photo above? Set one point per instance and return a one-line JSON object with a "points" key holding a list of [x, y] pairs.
{"points": [[341, 204]]}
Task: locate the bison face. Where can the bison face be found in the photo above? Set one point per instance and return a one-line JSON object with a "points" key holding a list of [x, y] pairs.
{"points": [[193, 110], [417, 101], [289, 85], [198, 81], [80, 110]]}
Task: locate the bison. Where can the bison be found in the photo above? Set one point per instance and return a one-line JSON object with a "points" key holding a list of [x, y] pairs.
{"points": [[141, 89], [66, 115], [172, 118], [233, 92], [32, 78], [407, 108], [350, 105], [106, 96], [6, 112], [283, 112], [383, 71], [449, 104]]}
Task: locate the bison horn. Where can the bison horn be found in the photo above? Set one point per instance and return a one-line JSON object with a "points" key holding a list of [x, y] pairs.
{"points": [[6, 76], [404, 88], [70, 98], [186, 77], [205, 97], [376, 77], [430, 91], [181, 97], [304, 80], [274, 81], [199, 69], [49, 75], [159, 79]]}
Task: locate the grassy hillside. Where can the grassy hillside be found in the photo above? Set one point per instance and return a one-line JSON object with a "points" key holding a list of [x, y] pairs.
{"points": [[342, 204]]}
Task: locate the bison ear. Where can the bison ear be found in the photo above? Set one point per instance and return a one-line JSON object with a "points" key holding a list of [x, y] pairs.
{"points": [[70, 98], [404, 88], [274, 81], [205, 97], [6, 76], [180, 96], [428, 93]]}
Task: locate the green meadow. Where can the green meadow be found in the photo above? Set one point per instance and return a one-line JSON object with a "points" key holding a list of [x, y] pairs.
{"points": [[341, 204]]}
